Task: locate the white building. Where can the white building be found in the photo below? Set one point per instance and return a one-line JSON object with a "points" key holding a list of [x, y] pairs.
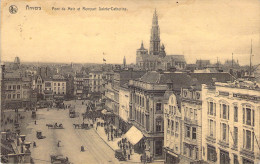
{"points": [[96, 81], [231, 128], [58, 86], [124, 99], [172, 130]]}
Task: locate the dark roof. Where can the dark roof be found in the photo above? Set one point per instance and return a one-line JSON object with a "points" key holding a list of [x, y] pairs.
{"points": [[179, 58], [12, 75], [206, 78], [177, 79], [126, 75]]}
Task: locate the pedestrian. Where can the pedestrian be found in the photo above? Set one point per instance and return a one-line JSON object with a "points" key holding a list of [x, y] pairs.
{"points": [[58, 144], [82, 149], [35, 122], [34, 144], [128, 156], [124, 152]]}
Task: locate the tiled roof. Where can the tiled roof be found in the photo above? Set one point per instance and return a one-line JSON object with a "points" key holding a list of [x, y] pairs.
{"points": [[206, 78], [177, 79]]}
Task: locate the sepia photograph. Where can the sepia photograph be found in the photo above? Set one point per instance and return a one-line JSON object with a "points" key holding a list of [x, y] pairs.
{"points": [[130, 82]]}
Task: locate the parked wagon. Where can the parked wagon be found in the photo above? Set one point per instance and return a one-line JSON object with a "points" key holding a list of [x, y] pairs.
{"points": [[55, 126], [39, 135], [33, 114], [59, 159], [120, 155]]}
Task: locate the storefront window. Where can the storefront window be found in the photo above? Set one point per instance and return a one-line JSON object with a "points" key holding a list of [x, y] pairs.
{"points": [[212, 155], [158, 148]]}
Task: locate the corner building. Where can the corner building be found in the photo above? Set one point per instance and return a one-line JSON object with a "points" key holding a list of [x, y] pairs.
{"points": [[231, 129]]}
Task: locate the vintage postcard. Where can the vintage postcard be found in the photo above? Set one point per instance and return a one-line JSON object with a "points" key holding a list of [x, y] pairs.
{"points": [[130, 81]]}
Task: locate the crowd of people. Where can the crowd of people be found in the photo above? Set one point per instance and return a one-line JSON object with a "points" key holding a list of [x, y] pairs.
{"points": [[126, 147]]}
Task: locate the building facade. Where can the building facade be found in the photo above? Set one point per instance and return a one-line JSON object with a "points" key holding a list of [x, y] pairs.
{"points": [[148, 96], [18, 92], [173, 130], [81, 85], [231, 124], [58, 87], [191, 107]]}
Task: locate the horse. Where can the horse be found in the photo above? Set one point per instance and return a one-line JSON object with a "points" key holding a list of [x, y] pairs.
{"points": [[60, 126], [49, 125]]}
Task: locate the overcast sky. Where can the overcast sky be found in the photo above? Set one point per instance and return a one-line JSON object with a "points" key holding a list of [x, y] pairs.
{"points": [[197, 29]]}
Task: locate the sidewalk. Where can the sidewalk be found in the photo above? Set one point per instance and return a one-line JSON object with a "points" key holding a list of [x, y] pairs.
{"points": [[135, 158]]}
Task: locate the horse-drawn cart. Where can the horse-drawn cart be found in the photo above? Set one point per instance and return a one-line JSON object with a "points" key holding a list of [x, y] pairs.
{"points": [[83, 126], [55, 126], [39, 135]]}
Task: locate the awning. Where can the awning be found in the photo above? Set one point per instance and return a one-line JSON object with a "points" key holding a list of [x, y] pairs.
{"points": [[173, 154], [104, 111], [133, 135]]}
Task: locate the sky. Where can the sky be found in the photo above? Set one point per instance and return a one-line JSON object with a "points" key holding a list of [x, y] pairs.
{"points": [[197, 29]]}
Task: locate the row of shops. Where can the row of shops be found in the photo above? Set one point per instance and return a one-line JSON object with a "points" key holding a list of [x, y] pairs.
{"points": [[149, 146]]}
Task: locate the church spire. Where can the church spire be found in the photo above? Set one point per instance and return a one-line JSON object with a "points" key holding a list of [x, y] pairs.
{"points": [[155, 36], [155, 18]]}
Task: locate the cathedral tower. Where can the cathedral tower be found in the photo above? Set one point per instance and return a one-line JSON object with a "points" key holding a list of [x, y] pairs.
{"points": [[155, 36]]}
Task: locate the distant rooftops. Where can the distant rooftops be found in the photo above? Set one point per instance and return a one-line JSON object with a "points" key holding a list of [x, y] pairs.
{"points": [[241, 84]]}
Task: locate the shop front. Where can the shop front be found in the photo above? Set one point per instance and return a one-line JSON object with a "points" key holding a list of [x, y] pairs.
{"points": [[171, 157]]}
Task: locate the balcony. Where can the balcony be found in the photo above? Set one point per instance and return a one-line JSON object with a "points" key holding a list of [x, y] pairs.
{"points": [[190, 121], [211, 139], [223, 144], [247, 153], [234, 147]]}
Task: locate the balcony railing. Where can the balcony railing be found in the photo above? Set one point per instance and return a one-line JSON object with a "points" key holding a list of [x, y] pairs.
{"points": [[190, 121], [211, 139], [234, 147], [223, 144], [247, 153]]}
